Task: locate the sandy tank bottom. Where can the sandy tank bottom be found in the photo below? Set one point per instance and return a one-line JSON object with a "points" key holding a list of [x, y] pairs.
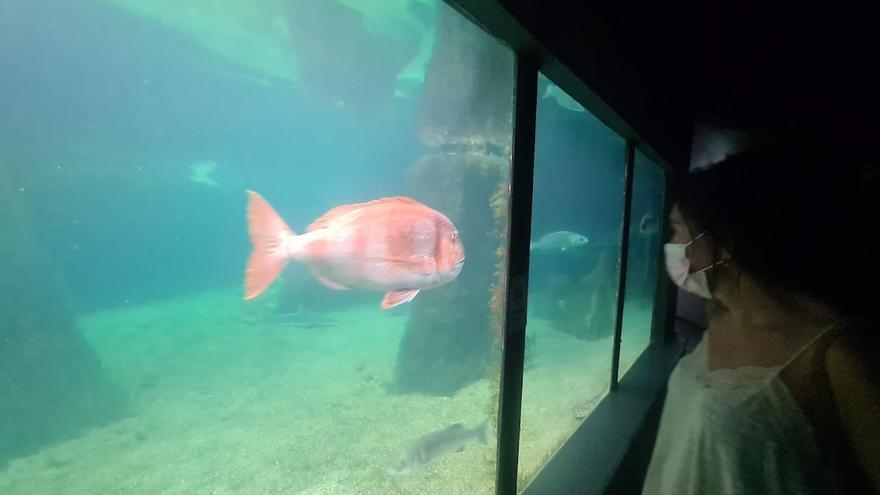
{"points": [[223, 401]]}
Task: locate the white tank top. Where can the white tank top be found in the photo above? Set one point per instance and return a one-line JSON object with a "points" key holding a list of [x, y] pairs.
{"points": [[734, 431]]}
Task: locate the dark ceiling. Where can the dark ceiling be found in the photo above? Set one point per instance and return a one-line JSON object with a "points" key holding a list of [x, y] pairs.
{"points": [[742, 64], [809, 66]]}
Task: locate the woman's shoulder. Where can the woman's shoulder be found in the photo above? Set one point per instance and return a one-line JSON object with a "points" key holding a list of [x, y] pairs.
{"points": [[852, 370], [851, 363], [852, 354]]}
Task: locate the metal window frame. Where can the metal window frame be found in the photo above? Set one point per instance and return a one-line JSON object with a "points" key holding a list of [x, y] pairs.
{"points": [[589, 459], [517, 290], [666, 294], [629, 168]]}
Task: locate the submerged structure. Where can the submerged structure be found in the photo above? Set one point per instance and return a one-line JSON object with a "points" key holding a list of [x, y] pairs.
{"points": [[465, 119], [52, 383]]}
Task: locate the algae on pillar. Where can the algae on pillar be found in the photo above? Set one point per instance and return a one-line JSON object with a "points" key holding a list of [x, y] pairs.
{"points": [[465, 118]]}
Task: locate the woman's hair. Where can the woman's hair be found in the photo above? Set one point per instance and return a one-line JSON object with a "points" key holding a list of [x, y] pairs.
{"points": [[799, 216]]}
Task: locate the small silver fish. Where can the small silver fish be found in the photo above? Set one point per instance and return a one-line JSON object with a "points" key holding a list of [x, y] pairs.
{"points": [[562, 98], [434, 445], [648, 224], [559, 241]]}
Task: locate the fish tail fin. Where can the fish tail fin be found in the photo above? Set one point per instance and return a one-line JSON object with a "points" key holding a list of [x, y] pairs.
{"points": [[269, 236]]}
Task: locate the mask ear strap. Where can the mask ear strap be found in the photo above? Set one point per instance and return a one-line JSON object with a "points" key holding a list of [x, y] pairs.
{"points": [[713, 265], [695, 239]]}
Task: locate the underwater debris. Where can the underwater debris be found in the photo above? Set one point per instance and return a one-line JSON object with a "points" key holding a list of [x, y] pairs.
{"points": [[585, 408], [342, 61], [202, 172]]}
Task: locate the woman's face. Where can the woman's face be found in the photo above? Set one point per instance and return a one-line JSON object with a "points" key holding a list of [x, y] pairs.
{"points": [[699, 252]]}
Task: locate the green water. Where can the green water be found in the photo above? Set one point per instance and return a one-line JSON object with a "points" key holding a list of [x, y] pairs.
{"points": [[130, 362]]}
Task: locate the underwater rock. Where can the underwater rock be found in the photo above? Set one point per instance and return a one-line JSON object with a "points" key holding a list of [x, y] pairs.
{"points": [[583, 308], [644, 263], [342, 61], [51, 382], [468, 93], [465, 117]]}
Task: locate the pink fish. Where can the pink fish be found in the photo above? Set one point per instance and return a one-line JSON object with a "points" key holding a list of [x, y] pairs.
{"points": [[394, 245]]}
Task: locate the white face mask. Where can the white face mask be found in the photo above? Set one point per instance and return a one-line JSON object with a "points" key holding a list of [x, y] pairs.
{"points": [[679, 268]]}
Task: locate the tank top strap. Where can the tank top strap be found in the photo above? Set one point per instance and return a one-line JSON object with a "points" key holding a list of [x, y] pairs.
{"points": [[830, 330]]}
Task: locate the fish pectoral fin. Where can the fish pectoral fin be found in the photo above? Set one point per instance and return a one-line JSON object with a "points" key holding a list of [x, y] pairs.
{"points": [[330, 283], [398, 297]]}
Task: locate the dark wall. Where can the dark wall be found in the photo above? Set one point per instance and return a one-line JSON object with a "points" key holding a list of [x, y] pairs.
{"points": [[661, 67], [623, 66], [629, 60], [809, 66]]}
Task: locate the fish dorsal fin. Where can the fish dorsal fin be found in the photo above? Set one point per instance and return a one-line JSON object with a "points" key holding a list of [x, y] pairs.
{"points": [[395, 199], [331, 215], [341, 210]]}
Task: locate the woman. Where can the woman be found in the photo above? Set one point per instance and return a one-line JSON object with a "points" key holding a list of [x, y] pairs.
{"points": [[778, 397]]}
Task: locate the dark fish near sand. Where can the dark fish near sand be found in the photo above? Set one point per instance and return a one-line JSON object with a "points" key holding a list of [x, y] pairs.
{"points": [[562, 240], [302, 318], [435, 445]]}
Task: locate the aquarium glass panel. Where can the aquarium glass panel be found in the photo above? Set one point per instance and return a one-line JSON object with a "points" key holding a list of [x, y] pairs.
{"points": [[250, 247], [575, 256], [644, 261]]}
